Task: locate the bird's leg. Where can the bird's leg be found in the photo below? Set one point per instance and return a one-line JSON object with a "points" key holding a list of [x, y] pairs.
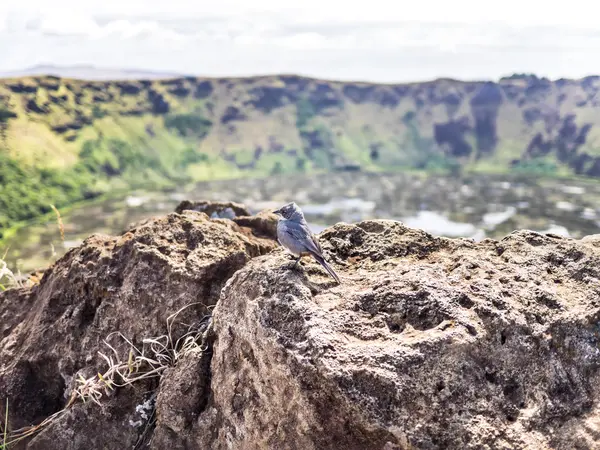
{"points": [[297, 261]]}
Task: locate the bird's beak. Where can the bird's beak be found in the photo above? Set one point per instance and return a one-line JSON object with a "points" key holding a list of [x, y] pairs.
{"points": [[277, 211]]}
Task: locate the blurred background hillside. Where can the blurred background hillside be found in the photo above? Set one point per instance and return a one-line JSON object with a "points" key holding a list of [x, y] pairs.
{"points": [[454, 118]]}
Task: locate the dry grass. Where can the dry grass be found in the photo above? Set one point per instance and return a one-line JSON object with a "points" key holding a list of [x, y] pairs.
{"points": [[7, 277], [149, 360], [59, 221], [3, 446]]}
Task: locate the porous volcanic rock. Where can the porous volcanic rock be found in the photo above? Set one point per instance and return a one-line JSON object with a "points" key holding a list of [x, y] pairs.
{"points": [[222, 210], [52, 333], [428, 343]]}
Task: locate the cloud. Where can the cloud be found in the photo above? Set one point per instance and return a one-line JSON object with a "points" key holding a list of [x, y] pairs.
{"points": [[384, 42], [127, 29], [66, 24], [82, 25]]}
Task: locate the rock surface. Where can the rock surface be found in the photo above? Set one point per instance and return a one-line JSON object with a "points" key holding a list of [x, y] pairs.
{"points": [[214, 210], [131, 284], [428, 343]]}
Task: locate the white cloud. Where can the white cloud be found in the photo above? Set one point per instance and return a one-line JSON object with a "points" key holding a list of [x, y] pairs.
{"points": [[578, 13], [77, 24], [68, 23], [135, 29], [377, 40]]}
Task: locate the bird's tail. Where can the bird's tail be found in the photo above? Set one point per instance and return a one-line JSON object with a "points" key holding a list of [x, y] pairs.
{"points": [[327, 267]]}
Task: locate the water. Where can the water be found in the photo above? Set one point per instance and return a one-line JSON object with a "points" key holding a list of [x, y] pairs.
{"points": [[474, 207]]}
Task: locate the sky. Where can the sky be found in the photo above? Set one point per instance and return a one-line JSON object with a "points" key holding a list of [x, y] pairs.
{"points": [[372, 40]]}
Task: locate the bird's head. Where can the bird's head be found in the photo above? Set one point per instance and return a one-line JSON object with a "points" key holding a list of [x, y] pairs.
{"points": [[290, 211]]}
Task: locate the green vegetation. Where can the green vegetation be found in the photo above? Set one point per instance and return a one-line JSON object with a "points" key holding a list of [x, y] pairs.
{"points": [[439, 163], [537, 167], [63, 141], [188, 124], [62, 151], [28, 192], [319, 145], [305, 111], [104, 164]]}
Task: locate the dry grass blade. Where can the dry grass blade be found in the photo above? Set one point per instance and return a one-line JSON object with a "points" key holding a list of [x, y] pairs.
{"points": [[149, 360], [6, 273], [5, 432], [22, 433], [61, 226]]}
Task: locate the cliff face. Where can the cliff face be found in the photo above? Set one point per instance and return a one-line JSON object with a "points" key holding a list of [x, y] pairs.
{"points": [[254, 123], [428, 343], [76, 139]]}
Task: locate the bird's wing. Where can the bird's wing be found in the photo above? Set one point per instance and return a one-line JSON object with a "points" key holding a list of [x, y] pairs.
{"points": [[301, 233], [316, 242]]}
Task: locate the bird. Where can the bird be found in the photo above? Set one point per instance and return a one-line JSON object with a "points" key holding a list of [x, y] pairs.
{"points": [[294, 234]]}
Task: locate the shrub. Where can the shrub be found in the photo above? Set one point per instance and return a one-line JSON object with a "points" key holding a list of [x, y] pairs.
{"points": [[188, 124], [305, 111]]}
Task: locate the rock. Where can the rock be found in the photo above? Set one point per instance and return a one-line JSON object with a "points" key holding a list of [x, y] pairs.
{"points": [[88, 426], [203, 89], [130, 284], [453, 135], [428, 343], [184, 392], [263, 224], [22, 87], [232, 114], [324, 97], [33, 107], [268, 98], [14, 309], [223, 210], [129, 88], [159, 104], [359, 93]]}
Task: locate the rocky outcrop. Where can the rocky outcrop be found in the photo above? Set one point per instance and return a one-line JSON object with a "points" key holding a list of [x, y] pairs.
{"points": [[223, 210], [546, 126], [232, 114], [428, 343], [51, 334]]}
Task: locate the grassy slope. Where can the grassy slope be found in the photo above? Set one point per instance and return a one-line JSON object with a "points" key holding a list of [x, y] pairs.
{"points": [[64, 140]]}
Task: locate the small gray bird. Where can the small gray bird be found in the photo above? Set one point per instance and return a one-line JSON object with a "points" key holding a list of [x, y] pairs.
{"points": [[293, 233]]}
